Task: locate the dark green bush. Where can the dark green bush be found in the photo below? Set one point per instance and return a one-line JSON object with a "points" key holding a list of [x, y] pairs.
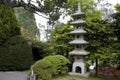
{"points": [[15, 54], [59, 64], [42, 69], [40, 50]]}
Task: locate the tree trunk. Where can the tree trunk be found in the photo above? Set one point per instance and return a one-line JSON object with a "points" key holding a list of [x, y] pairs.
{"points": [[96, 69]]}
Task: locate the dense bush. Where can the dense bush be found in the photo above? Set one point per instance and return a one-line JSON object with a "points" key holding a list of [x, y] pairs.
{"points": [[42, 69], [40, 50], [59, 64], [15, 54]]}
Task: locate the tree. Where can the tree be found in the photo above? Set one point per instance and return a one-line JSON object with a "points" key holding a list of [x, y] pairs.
{"points": [[87, 6], [116, 22], [50, 8], [60, 38], [100, 41], [9, 26], [117, 7], [116, 27], [27, 20]]}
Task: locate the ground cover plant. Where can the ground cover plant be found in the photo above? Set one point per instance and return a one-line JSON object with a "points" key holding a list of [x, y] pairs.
{"points": [[68, 77]]}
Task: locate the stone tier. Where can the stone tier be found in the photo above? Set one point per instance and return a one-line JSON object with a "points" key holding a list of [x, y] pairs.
{"points": [[79, 52], [79, 41], [78, 74], [78, 14], [78, 31], [78, 23]]}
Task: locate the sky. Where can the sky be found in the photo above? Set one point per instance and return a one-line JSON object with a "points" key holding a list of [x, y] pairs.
{"points": [[110, 1]]}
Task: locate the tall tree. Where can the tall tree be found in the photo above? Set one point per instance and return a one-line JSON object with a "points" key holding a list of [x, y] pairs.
{"points": [[60, 39], [27, 20], [100, 38], [116, 22], [116, 27], [8, 24]]}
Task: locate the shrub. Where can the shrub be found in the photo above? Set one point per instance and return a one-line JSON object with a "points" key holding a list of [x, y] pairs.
{"points": [[59, 64], [40, 50], [16, 54], [42, 69]]}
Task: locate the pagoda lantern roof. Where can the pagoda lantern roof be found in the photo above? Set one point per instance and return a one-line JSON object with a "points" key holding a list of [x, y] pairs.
{"points": [[78, 41], [78, 22], [79, 52], [78, 13], [78, 31]]}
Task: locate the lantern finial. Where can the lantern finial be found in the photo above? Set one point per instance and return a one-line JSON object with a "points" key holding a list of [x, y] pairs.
{"points": [[79, 7]]}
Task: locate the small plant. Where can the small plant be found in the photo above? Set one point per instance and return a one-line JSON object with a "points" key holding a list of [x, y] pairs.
{"points": [[59, 64], [42, 69]]}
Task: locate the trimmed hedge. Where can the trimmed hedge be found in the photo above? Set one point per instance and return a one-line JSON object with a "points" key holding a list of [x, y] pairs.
{"points": [[15, 54], [42, 69], [59, 64]]}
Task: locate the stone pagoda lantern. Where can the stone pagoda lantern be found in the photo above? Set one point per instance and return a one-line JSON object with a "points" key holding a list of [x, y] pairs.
{"points": [[78, 67]]}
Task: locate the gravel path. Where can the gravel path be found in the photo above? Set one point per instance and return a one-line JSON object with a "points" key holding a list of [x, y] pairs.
{"points": [[15, 75]]}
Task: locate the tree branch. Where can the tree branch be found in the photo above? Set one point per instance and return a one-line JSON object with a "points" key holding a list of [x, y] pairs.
{"points": [[41, 15]]}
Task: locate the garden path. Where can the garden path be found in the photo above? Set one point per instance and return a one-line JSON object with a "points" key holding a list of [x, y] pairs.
{"points": [[14, 75]]}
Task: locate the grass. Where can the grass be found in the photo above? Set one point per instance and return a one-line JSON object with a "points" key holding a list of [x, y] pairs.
{"points": [[68, 77]]}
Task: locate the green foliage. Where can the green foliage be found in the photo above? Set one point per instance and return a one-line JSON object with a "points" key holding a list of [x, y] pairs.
{"points": [[99, 28], [27, 20], [8, 24], [117, 7], [116, 31], [42, 69], [52, 8], [40, 49], [60, 39], [25, 33], [59, 64], [116, 46], [87, 6], [91, 77], [16, 54], [116, 23], [99, 36]]}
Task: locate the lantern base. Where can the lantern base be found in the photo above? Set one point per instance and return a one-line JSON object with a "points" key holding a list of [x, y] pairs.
{"points": [[79, 74]]}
